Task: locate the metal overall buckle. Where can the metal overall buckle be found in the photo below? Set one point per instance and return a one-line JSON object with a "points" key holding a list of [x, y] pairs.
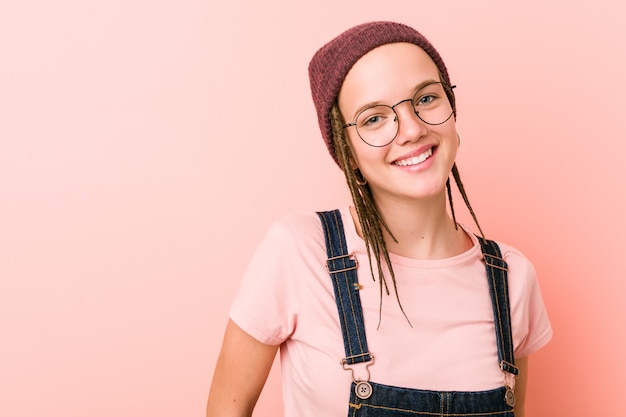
{"points": [[363, 388], [350, 257], [509, 369]]}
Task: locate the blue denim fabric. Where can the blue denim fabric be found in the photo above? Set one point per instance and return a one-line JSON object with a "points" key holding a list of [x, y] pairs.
{"points": [[342, 271], [499, 288], [388, 401]]}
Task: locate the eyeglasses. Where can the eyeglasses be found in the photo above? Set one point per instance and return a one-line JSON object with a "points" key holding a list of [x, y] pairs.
{"points": [[378, 125]]}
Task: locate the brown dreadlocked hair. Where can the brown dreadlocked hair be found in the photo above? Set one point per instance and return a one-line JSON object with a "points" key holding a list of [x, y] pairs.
{"points": [[371, 221]]}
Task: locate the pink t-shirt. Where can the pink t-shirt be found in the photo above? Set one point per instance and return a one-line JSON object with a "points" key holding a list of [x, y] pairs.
{"points": [[286, 297]]}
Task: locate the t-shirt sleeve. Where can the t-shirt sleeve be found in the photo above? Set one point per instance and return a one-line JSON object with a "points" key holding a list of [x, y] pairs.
{"points": [[531, 326], [266, 304]]}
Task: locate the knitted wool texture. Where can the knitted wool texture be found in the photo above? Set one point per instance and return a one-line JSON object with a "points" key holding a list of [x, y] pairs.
{"points": [[332, 62]]}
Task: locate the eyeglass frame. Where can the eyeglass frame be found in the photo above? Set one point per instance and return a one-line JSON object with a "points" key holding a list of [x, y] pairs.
{"points": [[446, 88]]}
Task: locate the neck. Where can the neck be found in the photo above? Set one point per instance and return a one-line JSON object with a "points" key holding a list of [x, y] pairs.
{"points": [[422, 228]]}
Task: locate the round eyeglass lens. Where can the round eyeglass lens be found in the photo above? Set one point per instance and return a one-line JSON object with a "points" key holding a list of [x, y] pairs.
{"points": [[378, 125]]}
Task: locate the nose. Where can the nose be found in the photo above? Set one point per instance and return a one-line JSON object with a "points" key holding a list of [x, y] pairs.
{"points": [[410, 127]]}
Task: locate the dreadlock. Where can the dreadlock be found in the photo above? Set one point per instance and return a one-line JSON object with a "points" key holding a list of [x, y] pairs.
{"points": [[367, 212], [372, 223], [459, 184]]}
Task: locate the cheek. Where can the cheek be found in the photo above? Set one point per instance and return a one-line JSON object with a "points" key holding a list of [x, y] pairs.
{"points": [[452, 140], [450, 135], [365, 155]]}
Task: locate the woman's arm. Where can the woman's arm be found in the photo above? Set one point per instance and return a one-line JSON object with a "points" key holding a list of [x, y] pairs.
{"points": [[520, 386], [240, 373]]}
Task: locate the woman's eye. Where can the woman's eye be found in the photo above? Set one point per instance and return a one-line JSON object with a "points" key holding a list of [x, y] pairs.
{"points": [[372, 120], [426, 100], [375, 117]]}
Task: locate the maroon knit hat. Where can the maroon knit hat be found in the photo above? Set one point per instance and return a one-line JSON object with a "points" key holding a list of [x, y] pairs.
{"points": [[331, 64]]}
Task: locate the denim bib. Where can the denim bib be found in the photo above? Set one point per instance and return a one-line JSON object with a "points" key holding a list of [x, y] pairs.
{"points": [[369, 399]]}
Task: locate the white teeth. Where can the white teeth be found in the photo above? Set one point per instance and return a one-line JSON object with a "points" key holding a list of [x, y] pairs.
{"points": [[416, 159]]}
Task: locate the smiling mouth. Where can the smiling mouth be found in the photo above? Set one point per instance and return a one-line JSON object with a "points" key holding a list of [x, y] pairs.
{"points": [[415, 159]]}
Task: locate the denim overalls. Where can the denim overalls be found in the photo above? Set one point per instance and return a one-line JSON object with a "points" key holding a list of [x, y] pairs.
{"points": [[369, 399]]}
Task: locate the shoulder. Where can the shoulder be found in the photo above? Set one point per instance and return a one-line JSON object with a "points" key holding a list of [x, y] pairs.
{"points": [[522, 276], [295, 235], [516, 260], [284, 266], [298, 220], [296, 227], [521, 272], [531, 325]]}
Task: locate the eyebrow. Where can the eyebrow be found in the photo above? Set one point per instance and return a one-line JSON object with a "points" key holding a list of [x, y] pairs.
{"points": [[378, 102]]}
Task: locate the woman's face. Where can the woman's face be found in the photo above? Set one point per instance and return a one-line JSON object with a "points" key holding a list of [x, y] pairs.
{"points": [[417, 163]]}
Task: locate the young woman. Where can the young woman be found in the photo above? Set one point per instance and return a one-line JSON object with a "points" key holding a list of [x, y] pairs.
{"points": [[464, 313]]}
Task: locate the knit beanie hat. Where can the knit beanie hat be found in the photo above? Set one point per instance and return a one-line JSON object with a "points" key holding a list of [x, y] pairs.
{"points": [[331, 64]]}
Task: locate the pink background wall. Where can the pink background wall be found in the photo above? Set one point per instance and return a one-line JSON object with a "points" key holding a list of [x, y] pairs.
{"points": [[146, 146]]}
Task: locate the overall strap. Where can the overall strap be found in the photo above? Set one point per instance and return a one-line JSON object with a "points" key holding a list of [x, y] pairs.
{"points": [[497, 269], [342, 269]]}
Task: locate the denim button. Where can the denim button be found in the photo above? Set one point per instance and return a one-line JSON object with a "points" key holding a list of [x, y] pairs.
{"points": [[509, 397], [363, 390]]}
